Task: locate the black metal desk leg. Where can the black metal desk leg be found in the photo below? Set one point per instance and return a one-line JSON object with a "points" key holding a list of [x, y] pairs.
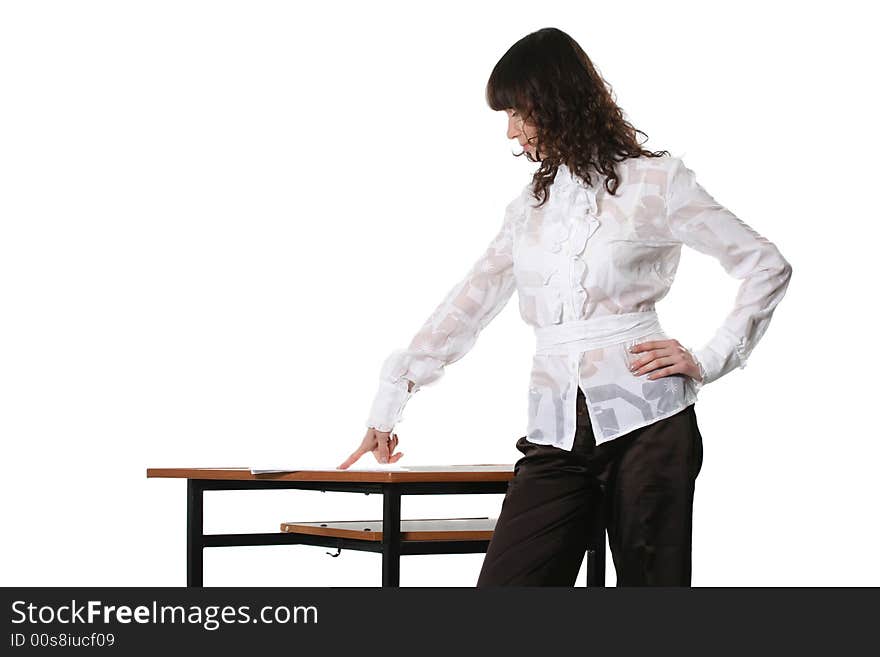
{"points": [[596, 562], [390, 535], [194, 532]]}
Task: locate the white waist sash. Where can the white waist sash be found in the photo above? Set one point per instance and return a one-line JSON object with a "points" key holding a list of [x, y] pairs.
{"points": [[585, 334]]}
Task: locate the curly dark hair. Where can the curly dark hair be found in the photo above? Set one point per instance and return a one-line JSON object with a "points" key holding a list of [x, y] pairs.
{"points": [[547, 77]]}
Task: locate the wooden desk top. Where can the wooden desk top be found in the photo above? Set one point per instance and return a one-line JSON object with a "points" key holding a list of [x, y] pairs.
{"points": [[423, 473]]}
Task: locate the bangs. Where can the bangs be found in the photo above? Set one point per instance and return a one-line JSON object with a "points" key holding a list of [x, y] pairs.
{"points": [[506, 87]]}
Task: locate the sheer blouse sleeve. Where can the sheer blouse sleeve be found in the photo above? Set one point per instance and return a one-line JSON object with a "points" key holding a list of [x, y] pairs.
{"points": [[452, 328], [700, 222]]}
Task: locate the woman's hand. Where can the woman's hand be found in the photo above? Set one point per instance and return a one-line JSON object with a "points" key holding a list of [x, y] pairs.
{"points": [[662, 358], [381, 443]]}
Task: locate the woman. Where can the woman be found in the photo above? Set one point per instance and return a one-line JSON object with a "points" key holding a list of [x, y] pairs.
{"points": [[590, 245]]}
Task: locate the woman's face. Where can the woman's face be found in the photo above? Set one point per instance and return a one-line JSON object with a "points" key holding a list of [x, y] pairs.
{"points": [[525, 133]]}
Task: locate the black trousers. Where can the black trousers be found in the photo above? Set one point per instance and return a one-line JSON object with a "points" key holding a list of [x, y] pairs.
{"points": [[642, 484]]}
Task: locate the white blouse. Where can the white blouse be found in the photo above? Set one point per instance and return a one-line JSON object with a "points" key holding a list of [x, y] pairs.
{"points": [[588, 268]]}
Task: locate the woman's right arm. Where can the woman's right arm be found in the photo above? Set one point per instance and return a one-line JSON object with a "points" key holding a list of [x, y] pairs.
{"points": [[452, 329], [448, 334]]}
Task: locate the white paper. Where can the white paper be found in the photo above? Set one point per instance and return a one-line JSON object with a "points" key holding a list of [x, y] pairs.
{"points": [[393, 467], [379, 467]]}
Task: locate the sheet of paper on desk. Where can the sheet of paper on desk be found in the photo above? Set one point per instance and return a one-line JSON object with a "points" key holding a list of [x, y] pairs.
{"points": [[378, 467], [393, 467], [463, 467]]}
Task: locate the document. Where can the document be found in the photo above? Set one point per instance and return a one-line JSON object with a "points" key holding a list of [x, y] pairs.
{"points": [[394, 467], [378, 467]]}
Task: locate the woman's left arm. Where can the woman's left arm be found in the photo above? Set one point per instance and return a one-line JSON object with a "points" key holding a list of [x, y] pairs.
{"points": [[699, 221]]}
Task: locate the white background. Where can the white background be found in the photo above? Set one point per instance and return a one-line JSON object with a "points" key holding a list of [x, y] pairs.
{"points": [[218, 219]]}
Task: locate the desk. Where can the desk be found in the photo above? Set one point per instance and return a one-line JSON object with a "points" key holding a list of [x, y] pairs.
{"points": [[416, 480]]}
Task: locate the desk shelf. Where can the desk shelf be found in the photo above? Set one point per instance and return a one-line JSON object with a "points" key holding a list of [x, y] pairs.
{"points": [[425, 529]]}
